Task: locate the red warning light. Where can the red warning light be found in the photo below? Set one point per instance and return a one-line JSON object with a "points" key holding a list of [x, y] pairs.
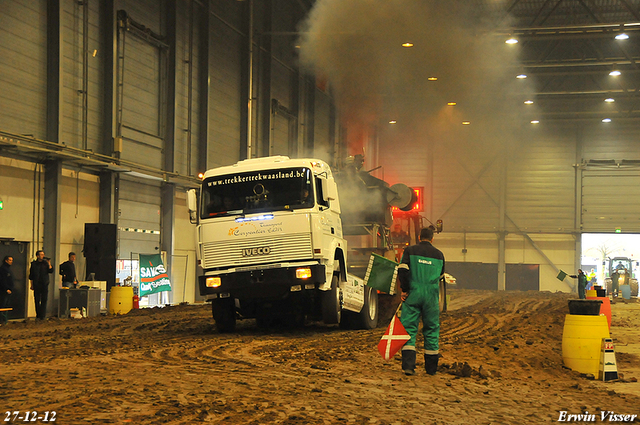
{"points": [[418, 205]]}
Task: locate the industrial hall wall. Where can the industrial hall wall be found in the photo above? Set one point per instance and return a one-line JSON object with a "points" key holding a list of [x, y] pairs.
{"points": [[110, 109], [529, 195]]}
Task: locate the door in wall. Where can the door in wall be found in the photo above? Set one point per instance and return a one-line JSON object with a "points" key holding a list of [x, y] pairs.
{"points": [[20, 269]]}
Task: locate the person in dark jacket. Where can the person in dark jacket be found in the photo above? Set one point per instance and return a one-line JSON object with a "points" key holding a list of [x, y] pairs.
{"points": [[582, 283], [419, 272], [6, 288], [39, 277], [68, 272]]}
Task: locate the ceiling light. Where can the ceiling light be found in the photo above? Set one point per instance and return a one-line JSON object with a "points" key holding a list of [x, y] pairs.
{"points": [[606, 120], [615, 73], [535, 122], [432, 78], [451, 103], [622, 36], [609, 100], [512, 40], [466, 122], [407, 44], [521, 76], [528, 102], [393, 122]]}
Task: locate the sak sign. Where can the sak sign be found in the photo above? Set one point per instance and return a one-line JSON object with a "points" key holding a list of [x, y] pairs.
{"points": [[153, 276]]}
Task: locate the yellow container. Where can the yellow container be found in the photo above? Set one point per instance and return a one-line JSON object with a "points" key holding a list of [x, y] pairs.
{"points": [[121, 300], [581, 342], [591, 293]]}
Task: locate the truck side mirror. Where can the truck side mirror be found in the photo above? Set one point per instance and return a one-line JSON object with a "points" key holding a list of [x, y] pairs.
{"points": [[192, 204], [329, 190]]}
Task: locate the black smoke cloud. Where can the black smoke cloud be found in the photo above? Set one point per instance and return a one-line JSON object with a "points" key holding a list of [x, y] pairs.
{"points": [[356, 45]]}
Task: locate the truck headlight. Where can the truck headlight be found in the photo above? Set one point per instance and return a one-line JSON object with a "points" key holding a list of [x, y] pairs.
{"points": [[304, 273], [213, 282]]}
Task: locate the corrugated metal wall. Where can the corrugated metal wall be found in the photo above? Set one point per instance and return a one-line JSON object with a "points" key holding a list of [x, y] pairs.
{"points": [[140, 77], [73, 51], [610, 178], [225, 76], [188, 91], [23, 58], [541, 180], [139, 217]]}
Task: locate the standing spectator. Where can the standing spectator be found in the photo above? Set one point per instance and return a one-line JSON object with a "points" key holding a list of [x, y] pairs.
{"points": [[582, 283], [591, 279], [39, 277], [420, 272], [6, 288], [68, 272]]}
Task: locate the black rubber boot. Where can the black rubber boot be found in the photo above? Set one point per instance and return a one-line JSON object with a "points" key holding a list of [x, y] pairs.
{"points": [[431, 363], [409, 362]]}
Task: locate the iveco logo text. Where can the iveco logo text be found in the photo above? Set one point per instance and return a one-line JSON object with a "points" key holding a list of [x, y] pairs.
{"points": [[250, 252], [424, 261]]}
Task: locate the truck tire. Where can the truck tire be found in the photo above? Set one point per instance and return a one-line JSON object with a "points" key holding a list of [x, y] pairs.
{"points": [[224, 313], [633, 284], [369, 314], [332, 303], [608, 285], [442, 297]]}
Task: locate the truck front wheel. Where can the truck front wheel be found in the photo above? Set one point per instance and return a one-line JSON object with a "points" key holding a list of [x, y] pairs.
{"points": [[369, 313], [332, 303], [442, 295], [224, 313]]}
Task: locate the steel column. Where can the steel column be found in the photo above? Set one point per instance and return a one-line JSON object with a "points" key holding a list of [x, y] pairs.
{"points": [[168, 189], [54, 75], [108, 180], [265, 82], [204, 87], [51, 226], [246, 85], [578, 198]]}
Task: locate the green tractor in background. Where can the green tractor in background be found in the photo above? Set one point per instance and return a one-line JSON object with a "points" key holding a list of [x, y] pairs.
{"points": [[620, 272]]}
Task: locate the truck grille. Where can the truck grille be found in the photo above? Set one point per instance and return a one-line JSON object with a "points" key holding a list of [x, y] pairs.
{"points": [[281, 248]]}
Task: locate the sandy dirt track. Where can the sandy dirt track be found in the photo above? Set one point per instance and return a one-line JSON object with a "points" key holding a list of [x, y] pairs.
{"points": [[501, 364]]}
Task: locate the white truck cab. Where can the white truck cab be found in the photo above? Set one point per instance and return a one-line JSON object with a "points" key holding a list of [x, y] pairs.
{"points": [[270, 239]]}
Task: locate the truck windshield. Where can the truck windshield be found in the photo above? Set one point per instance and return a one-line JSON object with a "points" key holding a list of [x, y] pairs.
{"points": [[257, 191]]}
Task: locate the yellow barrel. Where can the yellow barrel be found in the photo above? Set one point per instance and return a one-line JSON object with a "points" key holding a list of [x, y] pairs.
{"points": [[121, 300], [591, 293], [582, 341]]}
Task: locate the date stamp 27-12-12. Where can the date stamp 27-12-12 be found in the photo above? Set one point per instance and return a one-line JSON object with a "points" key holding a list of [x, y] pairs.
{"points": [[29, 416]]}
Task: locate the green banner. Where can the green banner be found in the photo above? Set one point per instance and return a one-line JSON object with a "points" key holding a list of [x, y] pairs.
{"points": [[153, 275], [381, 274]]}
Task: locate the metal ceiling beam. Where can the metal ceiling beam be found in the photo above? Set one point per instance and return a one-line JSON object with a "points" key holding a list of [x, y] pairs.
{"points": [[614, 115], [626, 4], [581, 63], [569, 32], [38, 150], [589, 11], [551, 12], [540, 73]]}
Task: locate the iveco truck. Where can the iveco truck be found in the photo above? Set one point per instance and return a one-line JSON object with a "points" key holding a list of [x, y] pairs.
{"points": [[271, 244]]}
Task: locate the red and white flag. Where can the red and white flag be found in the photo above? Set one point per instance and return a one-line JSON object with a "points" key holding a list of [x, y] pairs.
{"points": [[393, 340]]}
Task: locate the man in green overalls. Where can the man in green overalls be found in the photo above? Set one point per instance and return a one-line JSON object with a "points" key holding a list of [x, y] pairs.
{"points": [[420, 271]]}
